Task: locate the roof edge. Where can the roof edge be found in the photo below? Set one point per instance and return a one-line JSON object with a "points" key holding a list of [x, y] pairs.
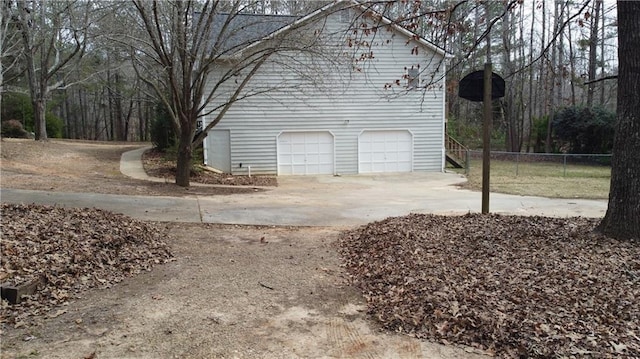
{"points": [[404, 31], [352, 4]]}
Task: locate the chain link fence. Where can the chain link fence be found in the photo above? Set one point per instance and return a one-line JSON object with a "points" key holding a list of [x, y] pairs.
{"points": [[543, 164]]}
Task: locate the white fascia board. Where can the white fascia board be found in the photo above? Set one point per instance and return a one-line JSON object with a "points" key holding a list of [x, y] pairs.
{"points": [[419, 39], [346, 4]]}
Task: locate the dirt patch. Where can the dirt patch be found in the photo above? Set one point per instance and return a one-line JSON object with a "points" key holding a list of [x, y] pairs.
{"points": [[232, 292], [85, 167]]}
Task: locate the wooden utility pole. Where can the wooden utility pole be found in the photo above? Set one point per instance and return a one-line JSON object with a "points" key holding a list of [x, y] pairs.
{"points": [[486, 127]]}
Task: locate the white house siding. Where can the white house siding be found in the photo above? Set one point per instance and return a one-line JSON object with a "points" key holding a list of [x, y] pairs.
{"points": [[346, 108]]}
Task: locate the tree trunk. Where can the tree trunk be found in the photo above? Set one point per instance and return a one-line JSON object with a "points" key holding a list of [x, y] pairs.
{"points": [[622, 219], [553, 72], [593, 42], [185, 152], [141, 119], [541, 89], [127, 120], [83, 118], [602, 54], [561, 70], [120, 130], [65, 115], [39, 117], [532, 103], [572, 63], [509, 99]]}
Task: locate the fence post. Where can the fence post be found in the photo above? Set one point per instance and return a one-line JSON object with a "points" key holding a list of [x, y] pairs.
{"points": [[466, 162], [564, 165], [517, 163]]}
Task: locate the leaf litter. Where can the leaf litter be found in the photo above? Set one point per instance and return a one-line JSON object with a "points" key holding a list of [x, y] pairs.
{"points": [[70, 250], [511, 286]]}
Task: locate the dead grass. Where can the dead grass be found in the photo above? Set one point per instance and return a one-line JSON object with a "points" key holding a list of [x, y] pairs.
{"points": [[543, 179]]}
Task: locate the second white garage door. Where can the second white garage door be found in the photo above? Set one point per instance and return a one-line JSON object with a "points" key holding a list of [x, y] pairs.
{"points": [[305, 153], [385, 151]]}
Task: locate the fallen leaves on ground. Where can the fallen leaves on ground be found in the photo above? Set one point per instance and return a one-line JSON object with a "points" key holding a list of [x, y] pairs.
{"points": [[510, 285], [71, 250], [156, 165]]}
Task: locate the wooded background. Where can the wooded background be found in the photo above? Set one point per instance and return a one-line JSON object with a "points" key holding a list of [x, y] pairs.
{"points": [[553, 56]]}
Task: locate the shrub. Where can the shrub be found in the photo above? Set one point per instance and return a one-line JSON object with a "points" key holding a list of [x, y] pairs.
{"points": [[54, 125], [585, 130], [539, 135], [13, 129], [18, 106], [197, 158]]}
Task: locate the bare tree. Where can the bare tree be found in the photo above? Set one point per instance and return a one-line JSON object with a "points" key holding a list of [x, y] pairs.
{"points": [[54, 35], [593, 46], [199, 51], [9, 44], [622, 219]]}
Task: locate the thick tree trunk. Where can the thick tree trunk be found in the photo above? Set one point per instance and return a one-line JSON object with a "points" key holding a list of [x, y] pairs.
{"points": [[622, 219], [39, 119], [185, 152]]}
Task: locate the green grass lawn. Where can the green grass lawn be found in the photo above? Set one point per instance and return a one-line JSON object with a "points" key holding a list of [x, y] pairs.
{"points": [[542, 179]]}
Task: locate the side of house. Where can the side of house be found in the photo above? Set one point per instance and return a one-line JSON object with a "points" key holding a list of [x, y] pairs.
{"points": [[367, 98]]}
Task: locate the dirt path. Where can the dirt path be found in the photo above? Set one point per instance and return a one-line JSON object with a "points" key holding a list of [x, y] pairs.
{"points": [[232, 292], [229, 294]]}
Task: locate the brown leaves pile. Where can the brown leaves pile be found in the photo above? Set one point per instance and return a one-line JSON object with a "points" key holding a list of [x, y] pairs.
{"points": [[512, 286], [156, 164], [71, 250]]}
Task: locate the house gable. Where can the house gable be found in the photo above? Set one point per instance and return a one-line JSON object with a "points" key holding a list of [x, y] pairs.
{"points": [[359, 86]]}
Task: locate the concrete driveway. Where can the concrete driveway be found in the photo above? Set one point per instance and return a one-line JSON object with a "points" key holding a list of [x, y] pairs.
{"points": [[318, 201], [349, 200]]}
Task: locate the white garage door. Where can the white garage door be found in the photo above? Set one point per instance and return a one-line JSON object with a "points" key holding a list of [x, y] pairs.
{"points": [[385, 151], [305, 153]]}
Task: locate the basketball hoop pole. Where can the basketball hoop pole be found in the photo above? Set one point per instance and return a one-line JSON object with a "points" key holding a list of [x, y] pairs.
{"points": [[486, 125]]}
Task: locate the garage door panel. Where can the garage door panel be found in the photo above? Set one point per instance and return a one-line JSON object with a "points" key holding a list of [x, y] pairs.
{"points": [[385, 151], [313, 158], [305, 153]]}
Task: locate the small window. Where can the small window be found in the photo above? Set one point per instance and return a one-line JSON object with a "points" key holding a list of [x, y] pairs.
{"points": [[413, 77]]}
